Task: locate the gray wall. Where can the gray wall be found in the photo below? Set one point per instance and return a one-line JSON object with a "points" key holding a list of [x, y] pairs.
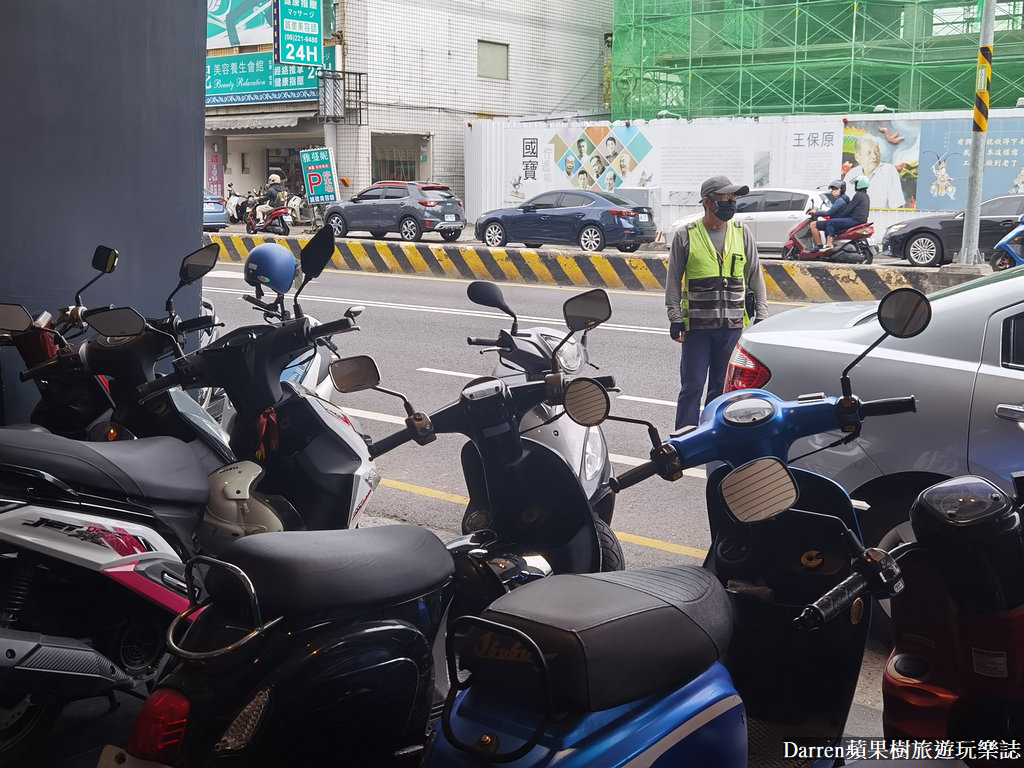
{"points": [[104, 97]]}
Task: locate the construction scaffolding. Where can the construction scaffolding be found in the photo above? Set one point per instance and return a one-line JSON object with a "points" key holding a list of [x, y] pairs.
{"points": [[702, 58]]}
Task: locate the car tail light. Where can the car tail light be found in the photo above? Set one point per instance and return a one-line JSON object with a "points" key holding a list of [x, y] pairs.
{"points": [[624, 214], [427, 203], [159, 728], [460, 203], [223, 202], [745, 371]]}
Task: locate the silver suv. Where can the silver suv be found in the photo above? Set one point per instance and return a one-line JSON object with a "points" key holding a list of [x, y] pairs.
{"points": [[410, 208], [966, 370]]}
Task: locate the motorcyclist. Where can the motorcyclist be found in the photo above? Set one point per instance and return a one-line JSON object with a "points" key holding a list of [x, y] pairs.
{"points": [[850, 215], [274, 196], [837, 189]]}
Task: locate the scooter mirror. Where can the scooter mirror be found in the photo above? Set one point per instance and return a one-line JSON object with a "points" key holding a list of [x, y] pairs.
{"points": [[487, 295], [14, 317], [586, 402], [353, 312], [758, 490], [904, 312], [317, 253], [117, 321], [355, 374], [104, 259], [587, 310], [198, 263]]}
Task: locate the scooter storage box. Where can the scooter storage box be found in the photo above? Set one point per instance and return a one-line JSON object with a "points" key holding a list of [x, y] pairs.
{"points": [[972, 532]]}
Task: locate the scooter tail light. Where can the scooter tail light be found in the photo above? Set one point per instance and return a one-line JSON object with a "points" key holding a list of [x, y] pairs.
{"points": [[745, 371], [159, 729], [240, 732]]}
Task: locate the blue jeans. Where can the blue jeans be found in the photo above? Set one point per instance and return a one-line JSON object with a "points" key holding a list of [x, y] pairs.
{"points": [[835, 227], [705, 356]]}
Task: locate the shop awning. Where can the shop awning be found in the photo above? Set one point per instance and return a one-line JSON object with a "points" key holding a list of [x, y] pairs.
{"points": [[250, 122]]}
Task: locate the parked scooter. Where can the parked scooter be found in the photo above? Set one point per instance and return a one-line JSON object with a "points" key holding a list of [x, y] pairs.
{"points": [[1009, 252], [686, 665], [310, 642], [851, 246], [234, 201], [530, 355], [278, 221]]}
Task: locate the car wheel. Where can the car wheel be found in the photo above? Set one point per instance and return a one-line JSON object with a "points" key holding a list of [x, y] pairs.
{"points": [[378, 235], [923, 250], [629, 247], [450, 235], [409, 229], [1001, 261], [790, 253], [591, 238], [535, 246], [495, 235], [337, 223]]}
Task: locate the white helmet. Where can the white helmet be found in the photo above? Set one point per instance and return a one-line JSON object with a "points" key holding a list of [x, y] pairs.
{"points": [[274, 179], [233, 511]]}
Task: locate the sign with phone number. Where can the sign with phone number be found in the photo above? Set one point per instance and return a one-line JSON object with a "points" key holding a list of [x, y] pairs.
{"points": [[318, 175], [298, 38]]}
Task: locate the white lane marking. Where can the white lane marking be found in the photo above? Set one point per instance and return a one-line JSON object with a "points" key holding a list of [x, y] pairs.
{"points": [[443, 372], [645, 400], [386, 417], [446, 311]]}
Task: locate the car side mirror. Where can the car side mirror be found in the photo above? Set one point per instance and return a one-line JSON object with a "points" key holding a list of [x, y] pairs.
{"points": [[528, 207]]}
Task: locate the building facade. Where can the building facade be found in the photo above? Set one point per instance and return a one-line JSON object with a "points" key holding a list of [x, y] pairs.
{"points": [[401, 82]]}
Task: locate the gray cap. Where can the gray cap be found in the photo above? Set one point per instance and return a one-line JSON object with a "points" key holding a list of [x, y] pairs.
{"points": [[720, 185]]}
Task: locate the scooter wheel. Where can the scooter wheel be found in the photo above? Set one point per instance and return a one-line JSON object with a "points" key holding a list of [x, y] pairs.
{"points": [[1000, 261], [250, 228], [612, 558], [790, 253]]}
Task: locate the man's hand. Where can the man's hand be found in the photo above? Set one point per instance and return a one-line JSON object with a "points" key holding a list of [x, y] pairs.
{"points": [[677, 331]]}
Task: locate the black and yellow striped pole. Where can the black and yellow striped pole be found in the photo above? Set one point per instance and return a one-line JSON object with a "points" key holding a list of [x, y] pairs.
{"points": [[982, 89]]}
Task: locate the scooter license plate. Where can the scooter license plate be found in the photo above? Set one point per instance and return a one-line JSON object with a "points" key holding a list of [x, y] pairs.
{"points": [[287, 219]]}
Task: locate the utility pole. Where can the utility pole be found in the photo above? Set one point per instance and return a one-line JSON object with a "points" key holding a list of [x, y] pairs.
{"points": [[983, 83]]}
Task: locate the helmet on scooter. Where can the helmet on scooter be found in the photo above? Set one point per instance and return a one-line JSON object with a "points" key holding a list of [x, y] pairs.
{"points": [[861, 182], [838, 184], [271, 265], [273, 179]]}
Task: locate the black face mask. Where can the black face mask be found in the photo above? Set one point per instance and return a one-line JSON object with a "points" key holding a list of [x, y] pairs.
{"points": [[725, 209]]}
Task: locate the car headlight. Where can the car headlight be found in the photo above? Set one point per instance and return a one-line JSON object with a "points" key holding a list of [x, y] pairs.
{"points": [[571, 356], [895, 228], [593, 453]]}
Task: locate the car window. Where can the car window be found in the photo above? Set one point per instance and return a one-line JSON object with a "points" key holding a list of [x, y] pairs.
{"points": [[437, 193], [1013, 342], [749, 203], [1002, 206], [373, 193], [548, 200], [616, 199], [783, 201], [574, 200], [394, 193]]}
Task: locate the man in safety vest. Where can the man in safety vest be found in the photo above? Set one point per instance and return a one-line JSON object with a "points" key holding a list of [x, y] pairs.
{"points": [[712, 267]]}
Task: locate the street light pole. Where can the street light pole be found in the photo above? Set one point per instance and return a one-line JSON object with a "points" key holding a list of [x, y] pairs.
{"points": [[976, 172]]}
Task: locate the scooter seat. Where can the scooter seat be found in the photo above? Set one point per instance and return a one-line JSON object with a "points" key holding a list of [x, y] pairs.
{"points": [[297, 573], [612, 638], [156, 468]]}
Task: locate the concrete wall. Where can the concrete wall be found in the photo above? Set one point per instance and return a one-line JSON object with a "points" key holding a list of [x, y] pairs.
{"points": [[102, 123]]}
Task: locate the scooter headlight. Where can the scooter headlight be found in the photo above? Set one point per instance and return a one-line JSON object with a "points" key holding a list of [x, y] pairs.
{"points": [[593, 453], [571, 356]]}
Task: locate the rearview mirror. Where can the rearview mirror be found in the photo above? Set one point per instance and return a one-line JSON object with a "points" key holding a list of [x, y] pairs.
{"points": [[528, 207], [904, 312], [199, 263], [14, 317], [586, 402], [355, 374], [119, 321], [487, 295], [759, 490], [317, 253], [104, 259], [587, 310]]}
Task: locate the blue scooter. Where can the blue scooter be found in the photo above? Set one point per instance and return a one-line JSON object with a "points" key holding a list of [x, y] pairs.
{"points": [[1010, 250], [708, 666]]}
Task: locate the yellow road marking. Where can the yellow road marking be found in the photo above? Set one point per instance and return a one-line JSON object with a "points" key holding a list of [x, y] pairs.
{"points": [[455, 498]]}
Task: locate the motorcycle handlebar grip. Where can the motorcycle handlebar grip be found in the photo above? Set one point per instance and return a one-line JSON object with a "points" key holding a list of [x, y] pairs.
{"points": [[390, 442], [832, 603], [157, 385], [608, 382], [39, 371], [476, 341], [331, 328], [888, 406], [197, 324], [633, 476]]}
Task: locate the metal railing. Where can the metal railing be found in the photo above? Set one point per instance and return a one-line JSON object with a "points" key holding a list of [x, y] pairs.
{"points": [[342, 97]]}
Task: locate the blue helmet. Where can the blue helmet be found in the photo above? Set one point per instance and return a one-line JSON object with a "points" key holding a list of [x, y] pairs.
{"points": [[271, 265]]}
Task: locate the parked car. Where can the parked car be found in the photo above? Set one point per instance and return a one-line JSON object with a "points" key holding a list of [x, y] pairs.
{"points": [[215, 212], [929, 241], [591, 220], [966, 370], [410, 208], [771, 213]]}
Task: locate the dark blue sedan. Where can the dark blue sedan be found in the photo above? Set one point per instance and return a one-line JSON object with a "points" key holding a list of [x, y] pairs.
{"points": [[591, 220]]}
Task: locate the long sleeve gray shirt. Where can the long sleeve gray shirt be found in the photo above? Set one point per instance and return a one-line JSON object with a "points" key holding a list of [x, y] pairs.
{"points": [[679, 252]]}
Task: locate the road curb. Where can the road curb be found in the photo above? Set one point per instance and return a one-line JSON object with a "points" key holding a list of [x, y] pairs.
{"points": [[786, 280]]}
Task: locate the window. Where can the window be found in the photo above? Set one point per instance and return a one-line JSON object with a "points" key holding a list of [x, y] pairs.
{"points": [[1013, 342], [492, 60], [1002, 206], [395, 193], [373, 193], [245, 162], [783, 201], [575, 200], [748, 203], [548, 200]]}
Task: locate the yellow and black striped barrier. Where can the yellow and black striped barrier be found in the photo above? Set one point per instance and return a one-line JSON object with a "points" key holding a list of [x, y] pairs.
{"points": [[643, 271]]}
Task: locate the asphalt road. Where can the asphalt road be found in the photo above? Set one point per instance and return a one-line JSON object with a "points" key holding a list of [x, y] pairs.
{"points": [[415, 328]]}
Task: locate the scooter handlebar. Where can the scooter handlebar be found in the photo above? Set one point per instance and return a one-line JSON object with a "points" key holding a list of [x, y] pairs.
{"points": [[156, 386], [888, 406], [331, 328], [633, 476], [390, 442], [40, 371], [476, 341], [200, 323], [832, 603]]}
